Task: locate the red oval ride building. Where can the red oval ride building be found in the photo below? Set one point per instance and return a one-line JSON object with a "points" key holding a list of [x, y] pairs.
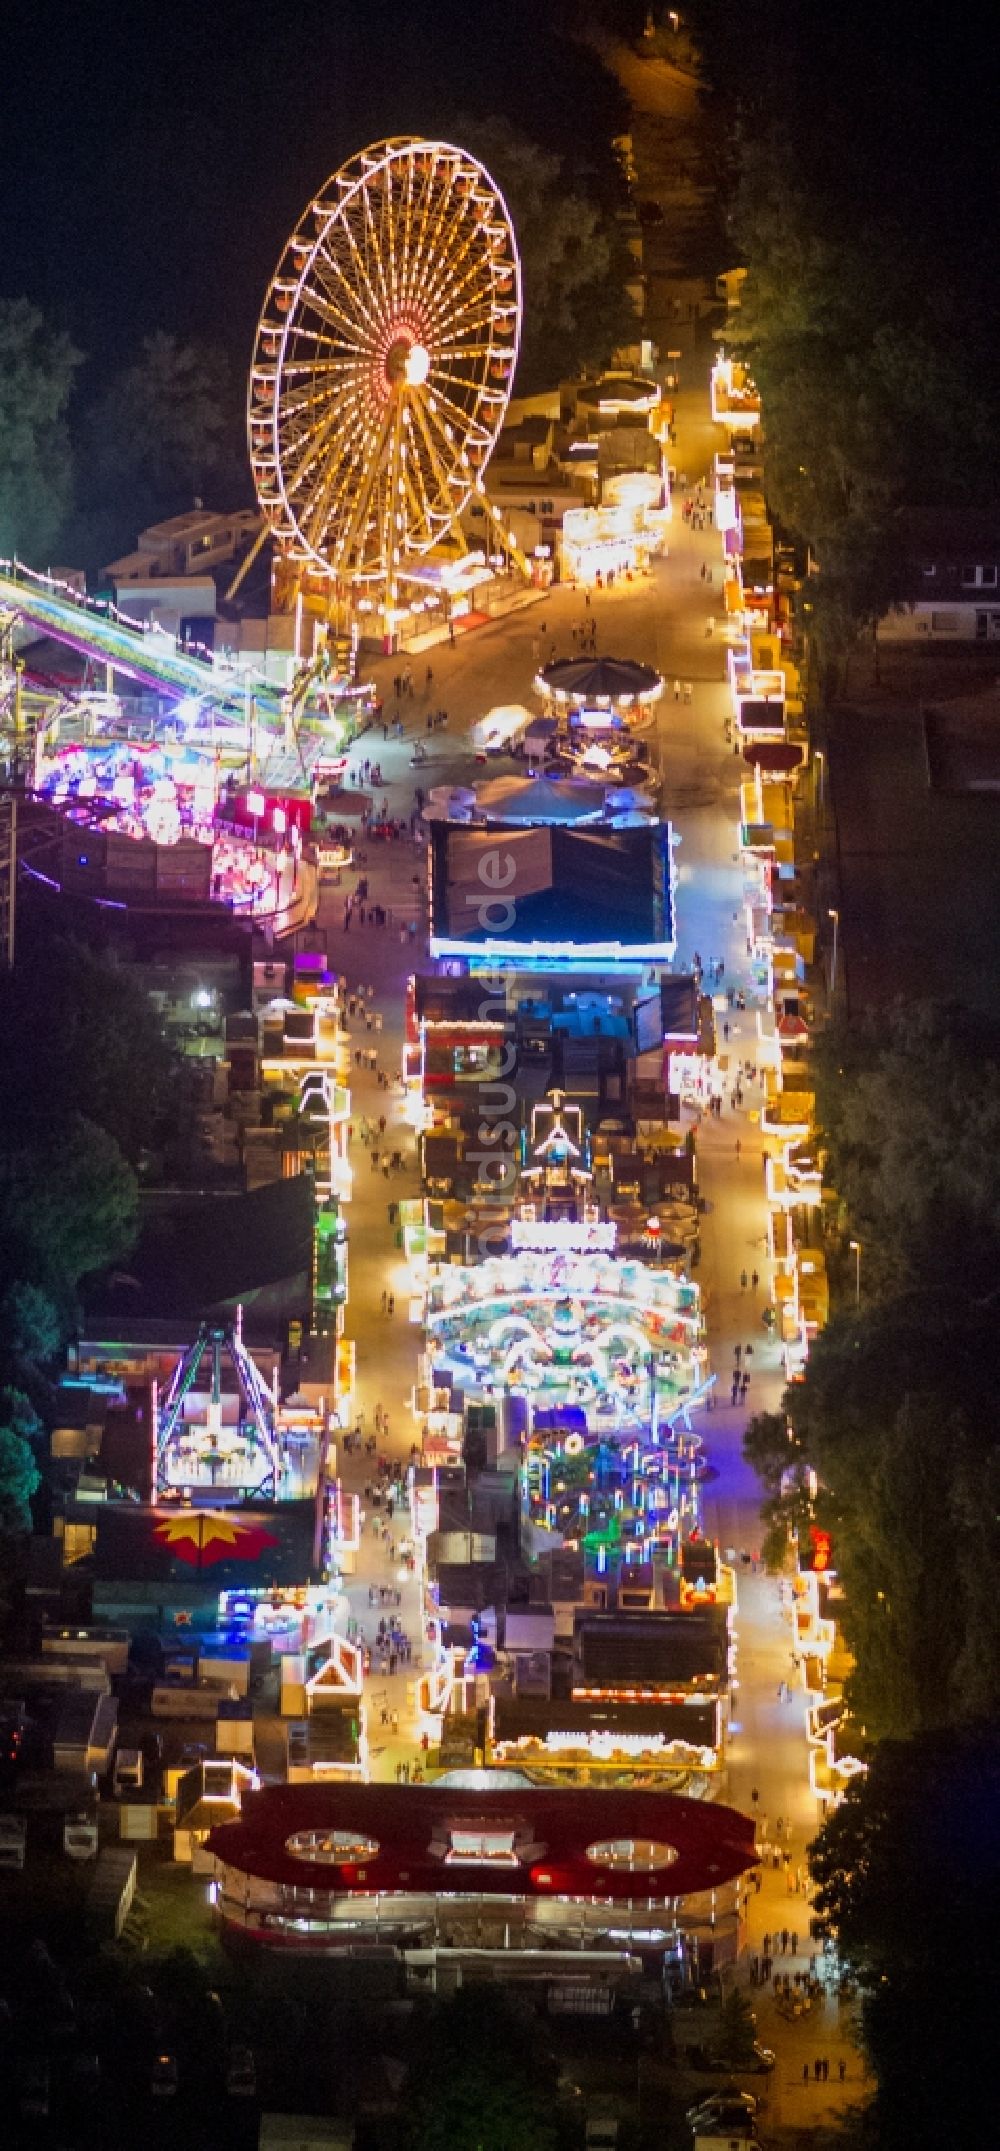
{"points": [[324, 1866]]}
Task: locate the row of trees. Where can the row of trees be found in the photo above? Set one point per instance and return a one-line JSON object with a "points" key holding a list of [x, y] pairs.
{"points": [[86, 1082], [861, 317], [84, 465], [890, 1442], [83, 472]]}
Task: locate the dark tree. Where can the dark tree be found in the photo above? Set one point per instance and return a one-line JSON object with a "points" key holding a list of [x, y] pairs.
{"points": [[37, 367], [908, 1870]]}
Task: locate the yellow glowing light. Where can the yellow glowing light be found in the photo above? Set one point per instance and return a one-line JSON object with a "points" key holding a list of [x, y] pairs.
{"points": [[418, 365]]}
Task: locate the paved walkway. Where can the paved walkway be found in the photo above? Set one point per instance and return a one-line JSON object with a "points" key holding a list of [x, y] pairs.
{"points": [[661, 620]]}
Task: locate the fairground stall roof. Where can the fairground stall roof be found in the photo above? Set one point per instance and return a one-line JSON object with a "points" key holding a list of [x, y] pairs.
{"points": [[512, 1842], [599, 679], [585, 897]]}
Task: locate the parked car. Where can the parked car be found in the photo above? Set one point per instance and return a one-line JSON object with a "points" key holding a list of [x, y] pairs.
{"points": [[723, 2106], [163, 2077], [241, 2073], [34, 2095], [85, 2070], [760, 2063]]}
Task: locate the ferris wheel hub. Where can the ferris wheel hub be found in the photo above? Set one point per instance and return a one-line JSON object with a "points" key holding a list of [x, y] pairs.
{"points": [[418, 365]]}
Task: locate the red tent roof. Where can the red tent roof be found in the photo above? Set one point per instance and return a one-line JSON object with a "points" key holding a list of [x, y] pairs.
{"points": [[777, 754], [411, 1830]]}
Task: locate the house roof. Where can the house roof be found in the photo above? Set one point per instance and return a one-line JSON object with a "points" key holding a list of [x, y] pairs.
{"points": [[268, 1544], [534, 1717], [198, 1254], [652, 1649]]}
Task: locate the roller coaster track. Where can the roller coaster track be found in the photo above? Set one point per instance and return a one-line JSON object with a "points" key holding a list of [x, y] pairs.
{"points": [[148, 655]]}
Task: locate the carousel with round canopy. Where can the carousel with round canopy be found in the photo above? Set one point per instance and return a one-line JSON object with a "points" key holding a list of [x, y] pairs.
{"points": [[381, 373]]}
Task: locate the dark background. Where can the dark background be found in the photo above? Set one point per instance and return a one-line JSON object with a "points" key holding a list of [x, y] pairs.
{"points": [[153, 159]]}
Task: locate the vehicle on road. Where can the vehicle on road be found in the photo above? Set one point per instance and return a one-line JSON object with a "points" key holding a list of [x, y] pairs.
{"points": [[34, 2097], [722, 2106], [241, 2073], [163, 2077], [760, 2062]]}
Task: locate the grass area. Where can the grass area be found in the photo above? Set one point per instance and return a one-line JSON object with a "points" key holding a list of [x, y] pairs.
{"points": [[176, 1911]]}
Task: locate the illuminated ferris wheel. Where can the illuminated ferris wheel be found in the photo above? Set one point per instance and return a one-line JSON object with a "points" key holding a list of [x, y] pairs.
{"points": [[382, 366]]}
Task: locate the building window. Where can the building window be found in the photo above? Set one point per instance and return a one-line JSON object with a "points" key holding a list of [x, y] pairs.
{"points": [[481, 1848], [631, 1855], [331, 1848], [944, 623], [979, 578]]}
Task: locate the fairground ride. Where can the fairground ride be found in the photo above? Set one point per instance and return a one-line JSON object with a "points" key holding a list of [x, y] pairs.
{"points": [[381, 372]]}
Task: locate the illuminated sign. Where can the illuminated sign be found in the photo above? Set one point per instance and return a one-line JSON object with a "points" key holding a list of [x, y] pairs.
{"points": [[563, 1236]]}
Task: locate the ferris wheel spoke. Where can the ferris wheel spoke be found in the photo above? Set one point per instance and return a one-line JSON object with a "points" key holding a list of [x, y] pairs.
{"points": [[375, 249], [316, 422], [312, 443], [344, 539], [422, 476], [372, 483], [373, 310], [341, 294], [463, 420], [458, 254], [423, 420], [457, 293], [409, 213], [428, 246], [416, 229]]}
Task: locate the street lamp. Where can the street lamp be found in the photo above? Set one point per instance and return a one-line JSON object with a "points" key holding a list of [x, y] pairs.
{"points": [[820, 760], [835, 916], [855, 1246]]}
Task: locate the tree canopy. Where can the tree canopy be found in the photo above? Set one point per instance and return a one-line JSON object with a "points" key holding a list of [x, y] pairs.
{"points": [[865, 325], [481, 2083], [165, 429], [908, 1875], [37, 367], [574, 262], [19, 1474], [889, 1441], [908, 1113], [79, 1036], [67, 1209]]}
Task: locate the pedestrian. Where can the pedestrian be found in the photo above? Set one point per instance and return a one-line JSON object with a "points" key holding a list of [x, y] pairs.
{"points": [[688, 691], [842, 2069], [392, 1303], [744, 1385], [677, 690], [737, 1349], [795, 1944], [743, 1280], [826, 2070], [754, 1795], [739, 1153], [754, 1280], [784, 1941], [817, 2069]]}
